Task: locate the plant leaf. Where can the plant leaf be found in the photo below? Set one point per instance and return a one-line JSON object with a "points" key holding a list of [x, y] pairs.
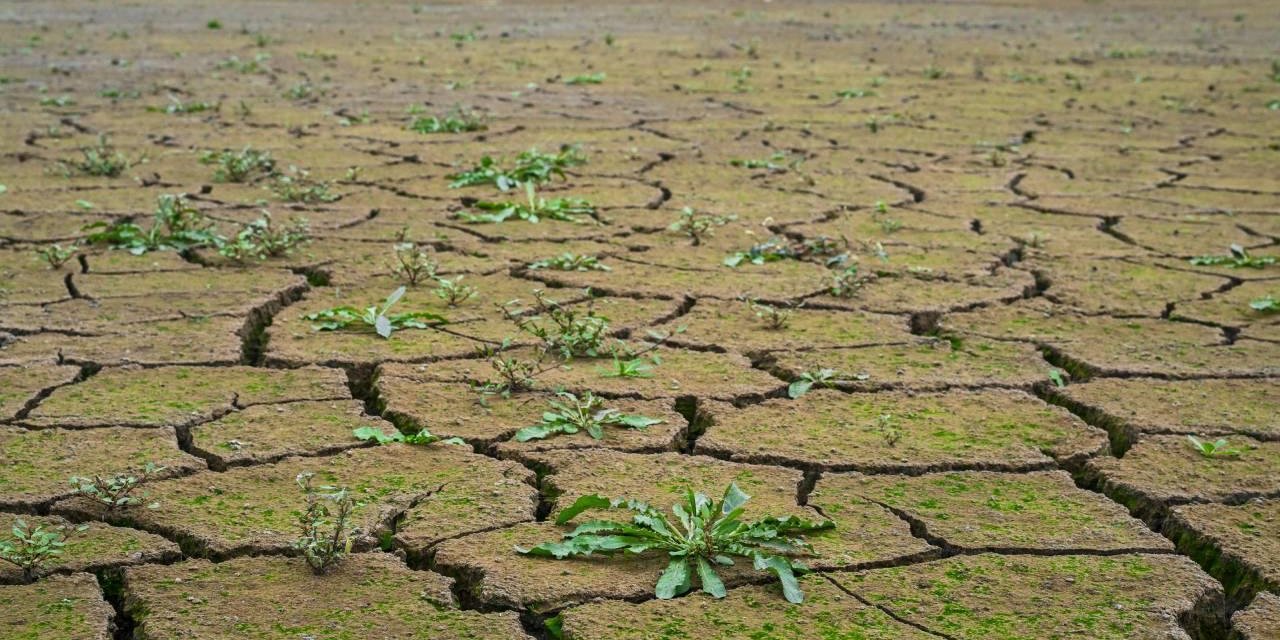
{"points": [[799, 388], [591, 501], [711, 582], [780, 566], [675, 579], [382, 325]]}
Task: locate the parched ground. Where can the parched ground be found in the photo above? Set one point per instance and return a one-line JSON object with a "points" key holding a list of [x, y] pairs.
{"points": [[1033, 246]]}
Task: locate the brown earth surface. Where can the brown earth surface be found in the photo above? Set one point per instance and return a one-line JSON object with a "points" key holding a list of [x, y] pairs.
{"points": [[991, 286]]}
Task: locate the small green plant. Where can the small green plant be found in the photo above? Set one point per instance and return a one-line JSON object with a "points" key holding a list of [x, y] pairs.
{"points": [[569, 261], [1219, 448], [177, 225], [100, 160], [741, 79], [302, 91], [698, 226], [115, 492], [456, 121], [325, 537], [56, 255], [932, 72], [770, 250], [297, 185], [1057, 378], [561, 329], [1265, 304], [846, 283], [588, 78], [31, 550], [774, 318], [177, 106], [534, 209], [377, 317], [856, 93], [1238, 258], [888, 429], [822, 378], [778, 161], [572, 414], [530, 166], [422, 437], [514, 374], [413, 264], [630, 367], [453, 292], [263, 239], [239, 166], [707, 533], [213, 24]]}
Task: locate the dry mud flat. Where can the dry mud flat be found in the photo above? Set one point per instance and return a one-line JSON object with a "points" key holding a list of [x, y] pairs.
{"points": [[964, 280]]}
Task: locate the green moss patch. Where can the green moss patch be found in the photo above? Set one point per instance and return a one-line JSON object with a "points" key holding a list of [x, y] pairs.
{"points": [[56, 608]]}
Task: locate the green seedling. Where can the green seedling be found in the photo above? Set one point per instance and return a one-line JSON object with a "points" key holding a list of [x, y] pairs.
{"points": [[888, 429], [561, 329], [590, 78], [297, 185], [1219, 448], [234, 63], [698, 226], [453, 292], [530, 166], [60, 101], [413, 264], [629, 368], [741, 79], [1057, 378], [263, 239], [56, 255], [456, 121], [569, 261], [1265, 304], [773, 318], [514, 374], [706, 534], [301, 91], [324, 538], [534, 209], [115, 492], [821, 378], [177, 225], [177, 106], [239, 166], [100, 160], [572, 414], [377, 317], [778, 161], [422, 437], [31, 550], [856, 93], [1239, 258], [933, 73]]}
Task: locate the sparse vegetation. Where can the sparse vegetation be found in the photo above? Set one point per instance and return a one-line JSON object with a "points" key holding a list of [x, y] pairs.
{"points": [[1219, 448], [118, 491], [33, 549], [707, 533], [264, 238], [376, 317], [698, 226], [324, 528], [569, 261], [1239, 258], [239, 166], [458, 120], [56, 255], [413, 264], [533, 209], [571, 414], [530, 166], [562, 329], [100, 160]]}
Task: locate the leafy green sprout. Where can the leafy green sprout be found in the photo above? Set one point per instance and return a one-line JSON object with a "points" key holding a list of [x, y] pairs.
{"points": [[379, 317], [263, 239], [770, 250], [561, 329], [324, 528], [778, 161], [1265, 304], [100, 160], [413, 264], [572, 414], [822, 378], [56, 255], [855, 93], [1238, 258], [177, 107], [514, 374], [706, 534], [297, 185], [456, 121], [32, 549], [774, 318], [117, 491], [529, 166], [239, 166], [1219, 448], [698, 226], [1057, 378], [422, 437], [630, 367], [453, 292], [533, 209], [570, 261]]}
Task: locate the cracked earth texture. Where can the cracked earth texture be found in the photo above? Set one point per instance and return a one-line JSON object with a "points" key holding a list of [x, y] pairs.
{"points": [[993, 217]]}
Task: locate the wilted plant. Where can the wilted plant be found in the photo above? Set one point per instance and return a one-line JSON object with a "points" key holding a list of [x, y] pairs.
{"points": [[324, 538], [572, 414], [705, 534], [115, 492], [377, 317]]}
